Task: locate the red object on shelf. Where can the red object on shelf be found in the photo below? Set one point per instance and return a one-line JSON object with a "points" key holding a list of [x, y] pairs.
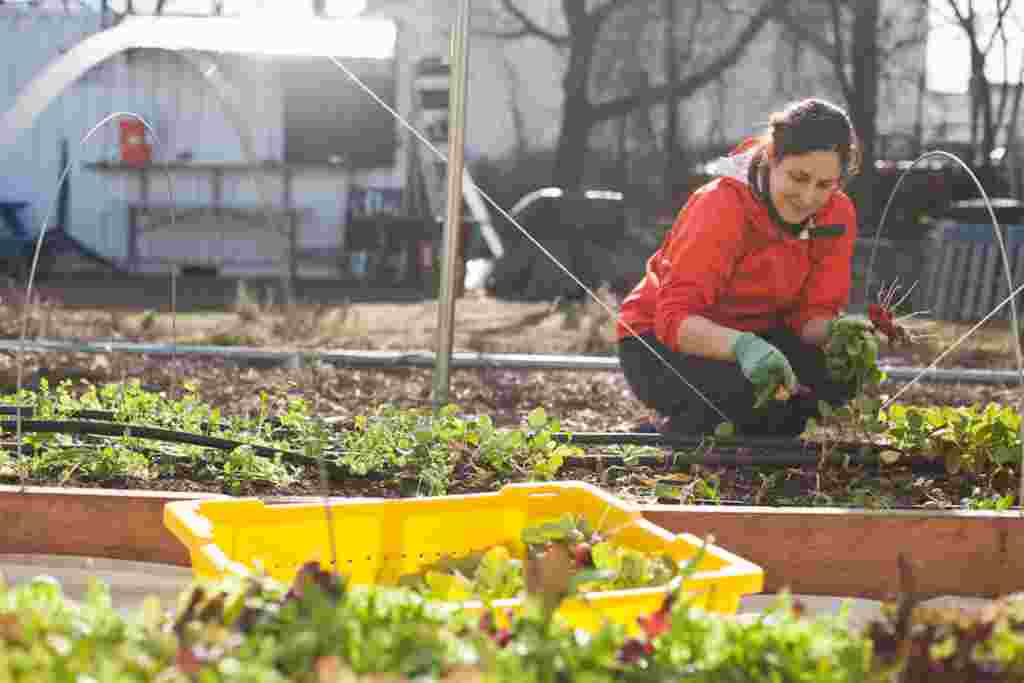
{"points": [[134, 148]]}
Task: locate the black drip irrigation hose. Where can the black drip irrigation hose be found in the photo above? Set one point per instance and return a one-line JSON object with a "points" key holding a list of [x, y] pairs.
{"points": [[117, 429], [764, 452], [732, 452], [92, 427], [667, 440]]}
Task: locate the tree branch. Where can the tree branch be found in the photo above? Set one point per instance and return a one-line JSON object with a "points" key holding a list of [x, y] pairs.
{"points": [[804, 34], [1001, 10], [599, 14], [839, 52], [649, 96], [529, 27], [698, 14], [522, 32]]}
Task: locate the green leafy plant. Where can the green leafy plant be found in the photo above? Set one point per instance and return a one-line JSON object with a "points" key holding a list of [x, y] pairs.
{"points": [[148, 320], [851, 355], [319, 628], [966, 438], [105, 459], [427, 447], [586, 559]]}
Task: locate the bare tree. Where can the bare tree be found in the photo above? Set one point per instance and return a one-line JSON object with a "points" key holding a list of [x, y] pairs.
{"points": [[130, 9], [679, 50], [846, 34], [856, 39], [986, 117], [922, 77], [513, 91], [622, 66], [581, 111]]}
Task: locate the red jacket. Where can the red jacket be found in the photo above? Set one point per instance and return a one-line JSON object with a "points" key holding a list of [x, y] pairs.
{"points": [[727, 260]]}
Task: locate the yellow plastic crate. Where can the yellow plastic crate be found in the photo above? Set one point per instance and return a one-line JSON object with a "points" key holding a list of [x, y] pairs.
{"points": [[378, 541]]}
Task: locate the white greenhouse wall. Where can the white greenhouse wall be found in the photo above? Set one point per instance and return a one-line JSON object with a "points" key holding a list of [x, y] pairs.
{"points": [[189, 123]]}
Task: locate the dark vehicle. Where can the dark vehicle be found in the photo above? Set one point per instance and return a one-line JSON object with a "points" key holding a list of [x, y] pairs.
{"points": [[586, 231], [59, 251], [17, 245], [928, 191]]}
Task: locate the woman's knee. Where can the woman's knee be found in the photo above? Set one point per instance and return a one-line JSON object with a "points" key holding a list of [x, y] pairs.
{"points": [[676, 383], [637, 371]]}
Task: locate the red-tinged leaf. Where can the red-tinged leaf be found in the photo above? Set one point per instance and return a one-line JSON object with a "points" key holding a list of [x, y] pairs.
{"points": [[213, 610], [197, 596], [188, 661], [879, 315], [583, 556], [656, 623], [486, 623], [634, 649], [503, 637], [310, 574], [802, 390]]}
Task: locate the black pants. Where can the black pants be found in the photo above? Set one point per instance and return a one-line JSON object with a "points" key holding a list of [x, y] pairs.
{"points": [[725, 385]]}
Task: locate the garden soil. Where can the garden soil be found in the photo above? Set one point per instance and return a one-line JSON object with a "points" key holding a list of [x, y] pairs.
{"points": [[582, 400]]}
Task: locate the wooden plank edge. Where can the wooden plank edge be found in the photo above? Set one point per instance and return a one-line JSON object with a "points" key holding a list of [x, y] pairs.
{"points": [[851, 552], [829, 551], [103, 523]]}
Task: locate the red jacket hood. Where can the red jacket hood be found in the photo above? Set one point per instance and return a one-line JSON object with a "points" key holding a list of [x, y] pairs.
{"points": [[736, 164]]}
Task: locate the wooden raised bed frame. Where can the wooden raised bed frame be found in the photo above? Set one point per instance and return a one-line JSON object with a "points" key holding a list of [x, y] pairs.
{"points": [[817, 551]]}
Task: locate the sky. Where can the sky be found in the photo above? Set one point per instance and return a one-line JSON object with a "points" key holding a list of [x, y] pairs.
{"points": [[948, 56], [948, 63], [334, 7]]}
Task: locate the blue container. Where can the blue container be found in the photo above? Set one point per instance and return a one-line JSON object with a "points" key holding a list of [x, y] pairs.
{"points": [[981, 233]]}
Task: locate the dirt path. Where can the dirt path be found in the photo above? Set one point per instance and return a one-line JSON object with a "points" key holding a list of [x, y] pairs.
{"points": [[481, 324]]}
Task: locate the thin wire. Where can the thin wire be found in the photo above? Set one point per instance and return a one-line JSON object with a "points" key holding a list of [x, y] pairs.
{"points": [[1007, 269], [28, 305], [952, 347], [608, 309]]}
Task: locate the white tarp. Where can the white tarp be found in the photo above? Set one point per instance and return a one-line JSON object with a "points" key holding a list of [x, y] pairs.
{"points": [[364, 38], [272, 34]]}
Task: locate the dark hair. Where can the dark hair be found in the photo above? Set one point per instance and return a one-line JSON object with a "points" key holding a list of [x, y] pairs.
{"points": [[814, 125]]}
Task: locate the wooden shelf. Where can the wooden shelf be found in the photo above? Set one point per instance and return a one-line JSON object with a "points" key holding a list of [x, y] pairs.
{"points": [[211, 166]]}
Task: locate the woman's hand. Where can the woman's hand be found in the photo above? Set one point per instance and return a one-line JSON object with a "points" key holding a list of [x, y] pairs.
{"points": [[816, 331], [765, 366]]}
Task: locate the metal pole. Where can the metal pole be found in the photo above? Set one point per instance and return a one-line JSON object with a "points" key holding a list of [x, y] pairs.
{"points": [[453, 224]]}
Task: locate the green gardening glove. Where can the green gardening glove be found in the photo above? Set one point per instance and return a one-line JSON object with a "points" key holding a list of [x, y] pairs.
{"points": [[765, 366]]}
